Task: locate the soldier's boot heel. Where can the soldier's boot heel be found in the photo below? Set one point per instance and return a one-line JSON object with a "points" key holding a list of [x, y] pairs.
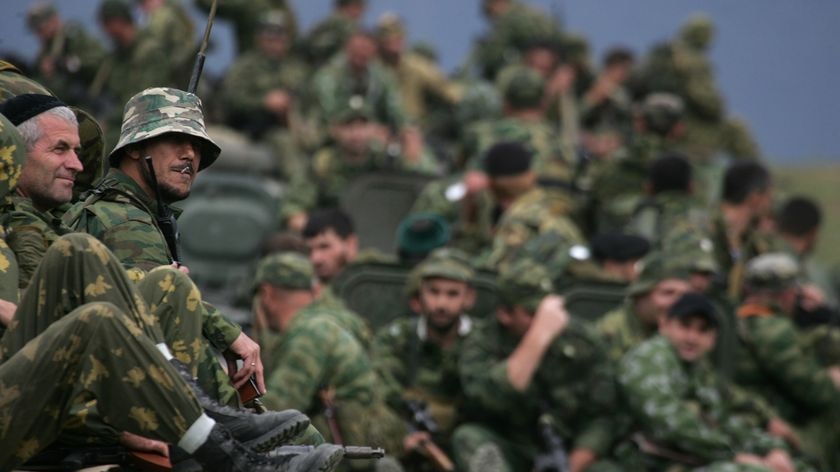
{"points": [[221, 452], [262, 432]]}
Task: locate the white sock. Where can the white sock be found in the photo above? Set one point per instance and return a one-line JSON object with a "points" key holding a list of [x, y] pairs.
{"points": [[196, 434], [164, 349]]}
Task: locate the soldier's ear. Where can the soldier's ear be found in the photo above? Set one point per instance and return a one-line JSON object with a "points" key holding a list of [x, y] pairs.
{"points": [[133, 152]]}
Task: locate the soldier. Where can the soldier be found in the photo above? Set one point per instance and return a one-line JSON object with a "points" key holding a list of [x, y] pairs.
{"points": [[136, 62], [314, 364], [51, 133], [418, 79], [327, 37], [526, 211], [356, 78], [775, 363], [682, 413], [606, 107], [245, 16], [169, 24], [661, 282], [417, 357], [13, 148], [618, 184], [167, 126], [69, 56], [531, 359], [618, 255]]}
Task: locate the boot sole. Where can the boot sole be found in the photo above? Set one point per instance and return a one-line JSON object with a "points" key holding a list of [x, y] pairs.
{"points": [[331, 461], [277, 436]]}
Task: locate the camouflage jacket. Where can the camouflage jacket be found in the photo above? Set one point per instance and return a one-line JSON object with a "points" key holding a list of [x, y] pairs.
{"points": [[9, 272], [121, 215], [314, 354], [622, 330], [685, 408], [414, 368], [171, 26], [775, 362], [655, 216], [29, 233], [327, 37], [348, 319], [75, 56], [574, 383], [532, 214], [245, 15], [731, 261], [253, 75], [417, 79]]}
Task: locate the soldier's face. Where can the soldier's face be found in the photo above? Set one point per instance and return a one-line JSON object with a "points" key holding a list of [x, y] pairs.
{"points": [[52, 163], [692, 337], [329, 253], [176, 158], [442, 301], [654, 305], [360, 51]]}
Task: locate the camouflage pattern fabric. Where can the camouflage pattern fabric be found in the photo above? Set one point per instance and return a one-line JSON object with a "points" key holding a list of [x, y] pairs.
{"points": [[684, 408], [532, 214], [314, 353], [574, 384], [12, 157], [417, 79], [656, 216], [245, 16], [348, 319], [621, 330], [73, 56], [414, 368], [96, 351], [772, 363], [289, 270], [326, 38], [171, 26]]}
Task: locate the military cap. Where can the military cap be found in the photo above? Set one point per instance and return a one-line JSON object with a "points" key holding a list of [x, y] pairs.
{"points": [[452, 268], [389, 24], [698, 31], [356, 108], [451, 257], [420, 233], [617, 246], [157, 111], [12, 157], [656, 267], [25, 106], [273, 21], [523, 88], [507, 158], [696, 251], [525, 283], [289, 270], [39, 13], [772, 271], [115, 9], [693, 304], [662, 110]]}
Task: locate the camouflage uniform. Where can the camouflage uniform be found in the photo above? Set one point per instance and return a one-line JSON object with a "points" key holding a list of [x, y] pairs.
{"points": [[12, 157], [245, 16], [314, 354], [74, 56], [348, 319], [531, 215], [775, 362], [655, 217], [416, 368], [327, 37], [685, 409], [171, 27], [574, 384]]}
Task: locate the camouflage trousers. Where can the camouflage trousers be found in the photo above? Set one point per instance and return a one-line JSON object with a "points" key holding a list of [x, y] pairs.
{"points": [[96, 352]]}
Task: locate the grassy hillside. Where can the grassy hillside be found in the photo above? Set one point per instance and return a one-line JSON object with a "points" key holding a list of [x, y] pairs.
{"points": [[821, 182]]}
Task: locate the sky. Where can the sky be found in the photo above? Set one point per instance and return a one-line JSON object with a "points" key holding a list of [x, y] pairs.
{"points": [[776, 60]]}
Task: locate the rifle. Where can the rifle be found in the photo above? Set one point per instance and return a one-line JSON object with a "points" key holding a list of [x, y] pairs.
{"points": [[164, 217], [554, 459], [198, 67], [421, 420], [77, 458], [350, 452]]}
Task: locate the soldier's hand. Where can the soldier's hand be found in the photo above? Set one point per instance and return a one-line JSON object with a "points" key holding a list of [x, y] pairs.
{"points": [[779, 461], [779, 428], [812, 297], [7, 312], [134, 442], [551, 316], [750, 459], [249, 352], [834, 374], [415, 440], [181, 267], [277, 102]]}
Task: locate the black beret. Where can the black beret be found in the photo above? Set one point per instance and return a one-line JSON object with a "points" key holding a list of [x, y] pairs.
{"points": [[617, 246], [23, 107], [694, 304], [507, 158]]}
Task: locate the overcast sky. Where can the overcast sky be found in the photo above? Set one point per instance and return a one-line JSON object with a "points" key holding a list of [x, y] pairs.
{"points": [[777, 61]]}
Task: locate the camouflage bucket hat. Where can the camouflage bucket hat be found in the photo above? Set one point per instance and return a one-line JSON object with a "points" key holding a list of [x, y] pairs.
{"points": [[289, 270], [524, 284], [12, 156], [157, 111], [772, 271], [656, 267]]}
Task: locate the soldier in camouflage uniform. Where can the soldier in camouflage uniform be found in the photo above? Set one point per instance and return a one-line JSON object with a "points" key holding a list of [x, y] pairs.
{"points": [[662, 280], [69, 56], [245, 16], [417, 357], [168, 125], [84, 294], [169, 24], [683, 417], [527, 360], [51, 133], [776, 363], [313, 362], [12, 157], [526, 211], [328, 36]]}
